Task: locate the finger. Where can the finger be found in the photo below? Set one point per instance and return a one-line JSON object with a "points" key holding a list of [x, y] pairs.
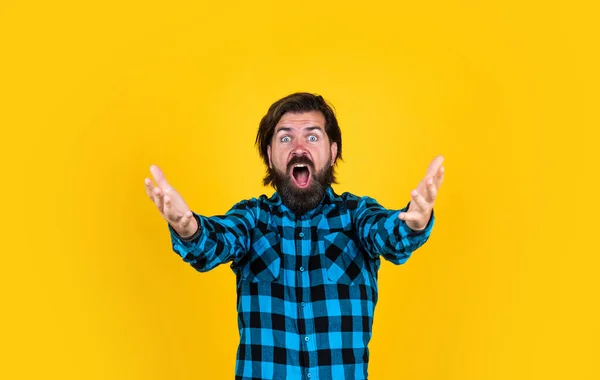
{"points": [[189, 224], [434, 166], [439, 177], [168, 211], [419, 201], [148, 186], [431, 191], [411, 216], [159, 177], [187, 219], [150, 189], [158, 198]]}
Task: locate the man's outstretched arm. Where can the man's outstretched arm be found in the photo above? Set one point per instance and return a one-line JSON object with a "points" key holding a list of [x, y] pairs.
{"points": [[396, 234], [203, 242]]}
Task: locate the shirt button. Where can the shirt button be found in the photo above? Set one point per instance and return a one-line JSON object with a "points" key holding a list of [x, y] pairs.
{"points": [[301, 269], [302, 303], [306, 338], [308, 375], [301, 234]]}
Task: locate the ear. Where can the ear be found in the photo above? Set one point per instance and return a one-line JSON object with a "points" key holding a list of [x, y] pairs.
{"points": [[333, 153], [269, 154]]}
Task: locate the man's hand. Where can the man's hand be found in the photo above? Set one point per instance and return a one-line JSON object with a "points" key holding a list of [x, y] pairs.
{"points": [[423, 197], [171, 205]]}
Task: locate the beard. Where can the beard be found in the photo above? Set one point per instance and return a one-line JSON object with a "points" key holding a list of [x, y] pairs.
{"points": [[300, 200]]}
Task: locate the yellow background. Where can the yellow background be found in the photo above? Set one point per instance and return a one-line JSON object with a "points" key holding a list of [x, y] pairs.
{"points": [[93, 93]]}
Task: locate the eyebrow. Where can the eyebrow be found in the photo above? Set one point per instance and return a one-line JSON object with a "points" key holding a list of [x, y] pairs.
{"points": [[310, 129]]}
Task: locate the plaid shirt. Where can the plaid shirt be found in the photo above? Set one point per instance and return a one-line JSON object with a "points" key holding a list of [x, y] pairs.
{"points": [[306, 286]]}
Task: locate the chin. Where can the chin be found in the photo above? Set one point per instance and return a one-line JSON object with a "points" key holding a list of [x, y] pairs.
{"points": [[303, 191]]}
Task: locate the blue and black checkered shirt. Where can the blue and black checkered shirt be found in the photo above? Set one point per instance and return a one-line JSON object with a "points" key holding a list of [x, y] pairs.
{"points": [[306, 286]]}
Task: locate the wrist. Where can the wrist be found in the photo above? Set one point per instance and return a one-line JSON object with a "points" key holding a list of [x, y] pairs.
{"points": [[191, 232]]}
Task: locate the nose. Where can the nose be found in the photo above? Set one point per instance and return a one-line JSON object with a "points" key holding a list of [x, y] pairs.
{"points": [[299, 149]]}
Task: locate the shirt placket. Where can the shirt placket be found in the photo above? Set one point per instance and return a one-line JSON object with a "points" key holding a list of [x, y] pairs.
{"points": [[305, 311]]}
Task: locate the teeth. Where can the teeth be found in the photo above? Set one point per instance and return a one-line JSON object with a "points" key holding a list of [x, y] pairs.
{"points": [[299, 166]]}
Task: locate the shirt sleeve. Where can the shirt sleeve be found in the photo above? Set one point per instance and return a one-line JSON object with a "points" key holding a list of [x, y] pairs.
{"points": [[219, 239], [381, 233]]}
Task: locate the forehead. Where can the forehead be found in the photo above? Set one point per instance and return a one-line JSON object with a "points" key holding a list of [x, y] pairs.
{"points": [[301, 120]]}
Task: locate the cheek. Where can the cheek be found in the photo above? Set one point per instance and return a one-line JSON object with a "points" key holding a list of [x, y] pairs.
{"points": [[278, 157], [323, 154]]}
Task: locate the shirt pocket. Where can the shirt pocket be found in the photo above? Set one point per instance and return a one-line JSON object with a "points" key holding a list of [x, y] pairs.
{"points": [[264, 257], [343, 259]]}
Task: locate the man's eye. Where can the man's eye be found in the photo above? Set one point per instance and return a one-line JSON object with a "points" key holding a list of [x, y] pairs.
{"points": [[285, 139], [312, 138]]}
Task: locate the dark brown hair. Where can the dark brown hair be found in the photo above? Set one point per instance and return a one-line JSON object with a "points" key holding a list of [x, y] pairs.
{"points": [[296, 103]]}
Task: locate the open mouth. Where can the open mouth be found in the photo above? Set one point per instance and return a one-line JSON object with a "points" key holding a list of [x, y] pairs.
{"points": [[301, 175]]}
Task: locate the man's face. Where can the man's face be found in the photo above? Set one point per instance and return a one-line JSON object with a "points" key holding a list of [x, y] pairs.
{"points": [[302, 159]]}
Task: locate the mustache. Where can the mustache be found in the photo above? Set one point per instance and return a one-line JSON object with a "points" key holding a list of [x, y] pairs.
{"points": [[300, 160]]}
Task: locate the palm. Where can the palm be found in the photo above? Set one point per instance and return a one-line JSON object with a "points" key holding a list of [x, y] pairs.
{"points": [[423, 197], [170, 204]]}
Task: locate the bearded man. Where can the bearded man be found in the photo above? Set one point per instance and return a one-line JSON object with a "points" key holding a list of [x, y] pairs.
{"points": [[306, 258]]}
